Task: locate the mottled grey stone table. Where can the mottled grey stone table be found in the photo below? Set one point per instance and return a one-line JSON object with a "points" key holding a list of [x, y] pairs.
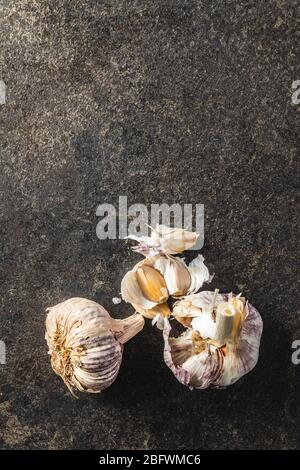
{"points": [[161, 101]]}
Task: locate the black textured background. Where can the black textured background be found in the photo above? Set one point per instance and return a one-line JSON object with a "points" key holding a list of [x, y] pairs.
{"points": [[162, 101]]}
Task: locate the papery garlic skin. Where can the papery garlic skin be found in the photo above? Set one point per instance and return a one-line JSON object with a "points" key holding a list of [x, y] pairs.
{"points": [[86, 344], [174, 240], [153, 280], [167, 240], [209, 364]]}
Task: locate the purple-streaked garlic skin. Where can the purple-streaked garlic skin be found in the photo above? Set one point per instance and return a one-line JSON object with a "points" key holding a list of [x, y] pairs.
{"points": [[212, 367], [86, 344], [247, 352]]}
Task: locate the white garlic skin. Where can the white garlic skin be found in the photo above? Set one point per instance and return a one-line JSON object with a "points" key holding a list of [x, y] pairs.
{"points": [[86, 344], [173, 240], [211, 368]]}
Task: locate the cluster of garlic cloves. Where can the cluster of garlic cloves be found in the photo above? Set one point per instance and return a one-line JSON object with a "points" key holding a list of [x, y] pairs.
{"points": [[220, 343], [86, 344], [148, 286], [153, 280]]}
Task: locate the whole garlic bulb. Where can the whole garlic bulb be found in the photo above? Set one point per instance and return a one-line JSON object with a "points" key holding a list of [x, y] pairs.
{"points": [[220, 344], [150, 283], [86, 344]]}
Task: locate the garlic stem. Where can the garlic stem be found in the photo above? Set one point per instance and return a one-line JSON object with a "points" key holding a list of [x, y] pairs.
{"points": [[128, 327], [237, 323], [224, 322]]}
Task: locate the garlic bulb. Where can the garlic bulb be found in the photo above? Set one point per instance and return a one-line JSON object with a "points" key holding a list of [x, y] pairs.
{"points": [[150, 283], [221, 341], [86, 344], [165, 239]]}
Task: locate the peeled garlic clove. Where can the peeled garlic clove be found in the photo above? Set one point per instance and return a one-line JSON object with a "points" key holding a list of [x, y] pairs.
{"points": [[165, 240], [197, 358], [86, 344]]}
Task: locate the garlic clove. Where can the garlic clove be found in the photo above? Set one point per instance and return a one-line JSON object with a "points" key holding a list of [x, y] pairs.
{"points": [[144, 287], [175, 273], [132, 293], [161, 309], [197, 358], [86, 344], [174, 240], [152, 283], [165, 240], [202, 300], [204, 324]]}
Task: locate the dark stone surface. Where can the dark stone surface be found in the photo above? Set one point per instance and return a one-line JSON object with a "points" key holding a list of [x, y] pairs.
{"points": [[162, 101]]}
